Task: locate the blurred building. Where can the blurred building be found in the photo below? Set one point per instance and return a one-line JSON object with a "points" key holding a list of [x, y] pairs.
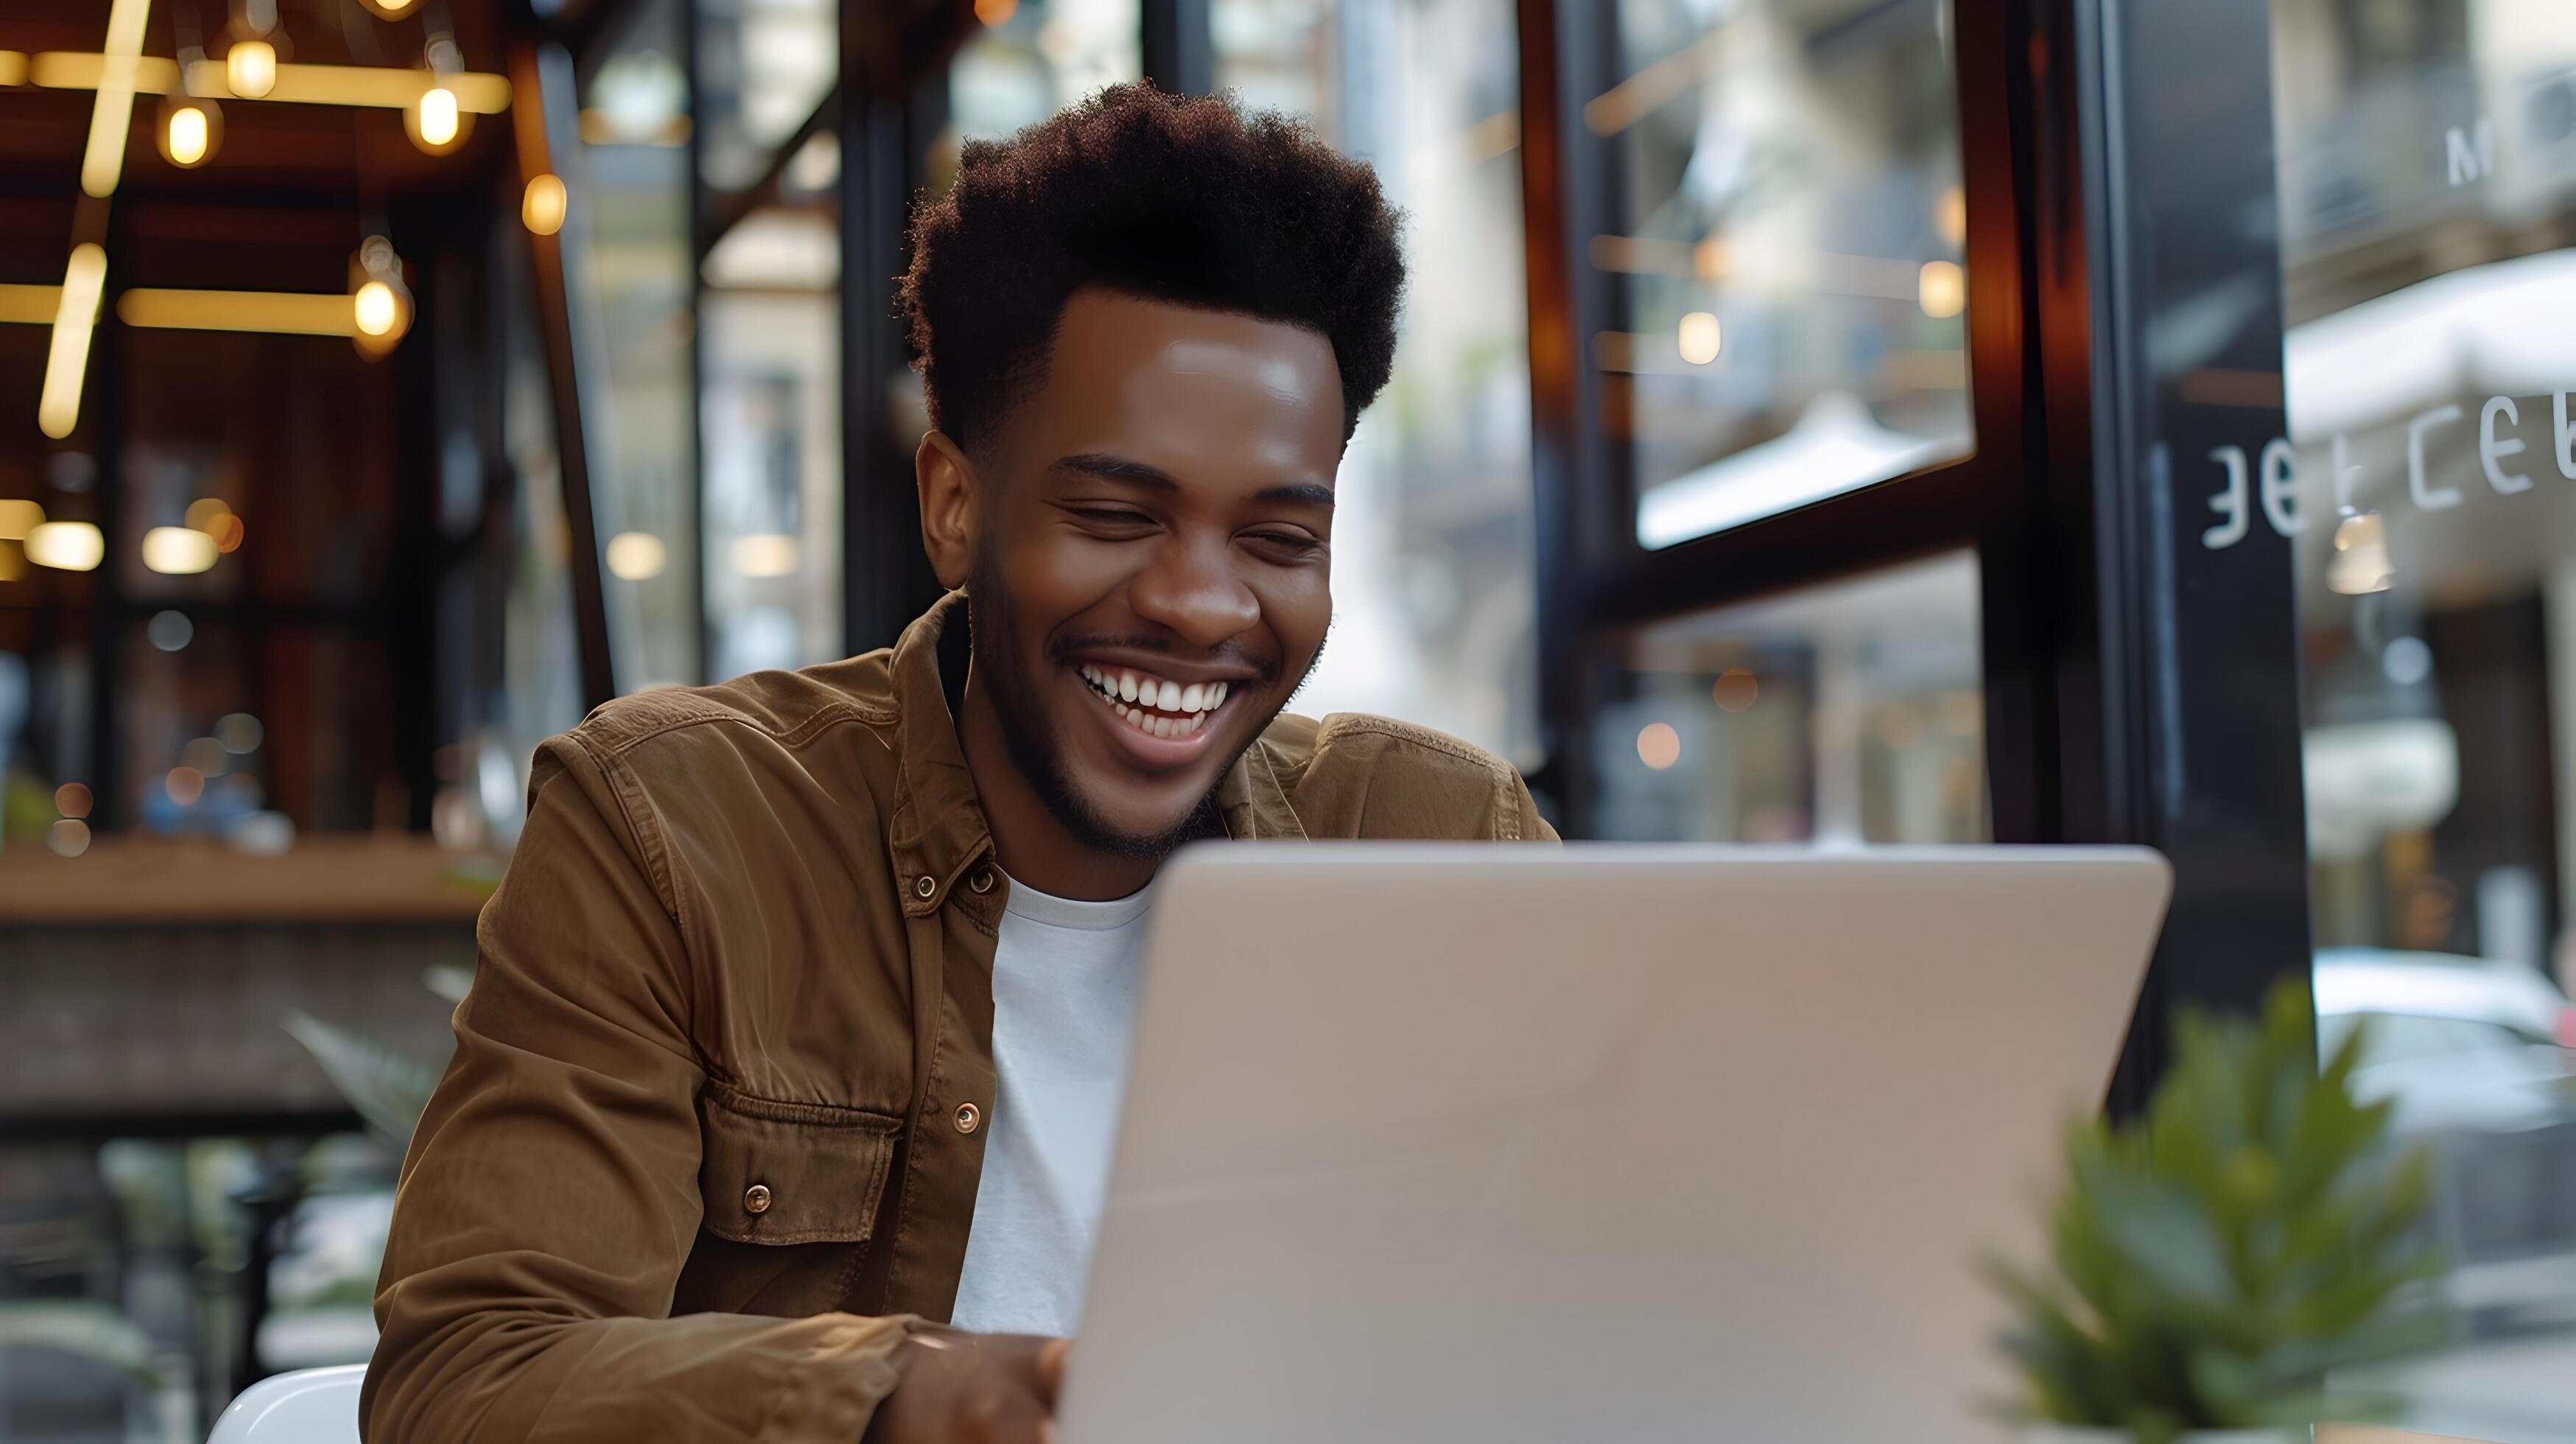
{"points": [[1818, 422]]}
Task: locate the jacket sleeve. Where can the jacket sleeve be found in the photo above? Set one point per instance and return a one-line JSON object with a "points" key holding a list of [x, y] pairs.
{"points": [[550, 1195]]}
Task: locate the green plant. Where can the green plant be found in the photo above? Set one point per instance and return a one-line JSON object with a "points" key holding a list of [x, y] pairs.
{"points": [[2214, 1259]]}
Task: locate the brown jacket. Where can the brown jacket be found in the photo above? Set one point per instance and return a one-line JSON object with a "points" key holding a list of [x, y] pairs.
{"points": [[702, 1157]]}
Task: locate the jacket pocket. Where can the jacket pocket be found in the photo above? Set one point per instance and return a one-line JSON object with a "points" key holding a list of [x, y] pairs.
{"points": [[783, 1173]]}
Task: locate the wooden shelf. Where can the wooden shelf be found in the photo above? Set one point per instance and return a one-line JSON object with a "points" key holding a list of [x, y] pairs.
{"points": [[366, 878]]}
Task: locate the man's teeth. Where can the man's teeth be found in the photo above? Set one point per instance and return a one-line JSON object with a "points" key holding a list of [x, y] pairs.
{"points": [[1177, 711]]}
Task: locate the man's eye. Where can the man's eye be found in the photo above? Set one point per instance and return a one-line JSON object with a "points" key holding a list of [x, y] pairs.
{"points": [[1293, 543], [1112, 516]]}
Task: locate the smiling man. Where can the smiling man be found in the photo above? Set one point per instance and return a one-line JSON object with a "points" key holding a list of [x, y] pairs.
{"points": [[781, 1106]]}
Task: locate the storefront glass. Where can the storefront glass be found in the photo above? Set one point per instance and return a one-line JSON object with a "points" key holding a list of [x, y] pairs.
{"points": [[2427, 485]]}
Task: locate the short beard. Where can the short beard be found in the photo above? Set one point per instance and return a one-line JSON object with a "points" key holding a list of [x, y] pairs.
{"points": [[993, 634]]}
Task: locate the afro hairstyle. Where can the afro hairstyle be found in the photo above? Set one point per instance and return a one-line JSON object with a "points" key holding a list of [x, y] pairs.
{"points": [[1188, 200]]}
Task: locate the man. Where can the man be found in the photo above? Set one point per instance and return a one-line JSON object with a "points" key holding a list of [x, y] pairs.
{"points": [[802, 1011]]}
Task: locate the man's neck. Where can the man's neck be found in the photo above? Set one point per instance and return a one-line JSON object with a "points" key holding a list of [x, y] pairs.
{"points": [[1033, 846]]}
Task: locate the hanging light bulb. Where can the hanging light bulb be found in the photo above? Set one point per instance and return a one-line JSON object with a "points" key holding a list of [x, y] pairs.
{"points": [[191, 129], [376, 309], [250, 68], [380, 306], [438, 115]]}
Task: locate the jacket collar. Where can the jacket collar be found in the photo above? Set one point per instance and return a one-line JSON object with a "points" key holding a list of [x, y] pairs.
{"points": [[938, 830]]}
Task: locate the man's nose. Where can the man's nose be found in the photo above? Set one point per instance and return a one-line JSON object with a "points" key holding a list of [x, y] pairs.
{"points": [[1191, 588]]}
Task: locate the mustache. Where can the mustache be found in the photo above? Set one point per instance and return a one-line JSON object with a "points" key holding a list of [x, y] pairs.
{"points": [[1224, 654]]}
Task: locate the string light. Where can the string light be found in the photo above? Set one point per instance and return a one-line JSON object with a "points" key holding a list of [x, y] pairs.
{"points": [[189, 133]]}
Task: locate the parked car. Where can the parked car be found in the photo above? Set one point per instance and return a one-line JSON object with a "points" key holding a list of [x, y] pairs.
{"points": [[2476, 1055]]}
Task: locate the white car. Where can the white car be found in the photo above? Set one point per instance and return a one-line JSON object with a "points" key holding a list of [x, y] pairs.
{"points": [[2455, 1042]]}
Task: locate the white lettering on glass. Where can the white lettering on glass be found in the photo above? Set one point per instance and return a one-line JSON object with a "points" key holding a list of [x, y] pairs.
{"points": [[2280, 476], [2471, 153], [2426, 498], [2230, 503], [2563, 433], [2492, 450]]}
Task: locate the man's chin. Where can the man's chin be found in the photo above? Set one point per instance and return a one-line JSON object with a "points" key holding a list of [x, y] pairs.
{"points": [[1128, 832]]}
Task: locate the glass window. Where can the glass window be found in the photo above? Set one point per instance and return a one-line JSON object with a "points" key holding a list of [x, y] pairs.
{"points": [[1844, 713], [763, 66], [1434, 603], [2428, 205], [771, 416], [1031, 59], [1790, 301], [630, 266]]}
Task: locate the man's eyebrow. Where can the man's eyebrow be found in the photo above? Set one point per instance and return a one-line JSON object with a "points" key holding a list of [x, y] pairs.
{"points": [[1140, 473], [1297, 493], [1119, 468]]}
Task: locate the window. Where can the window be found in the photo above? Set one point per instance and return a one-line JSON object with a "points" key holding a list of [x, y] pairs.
{"points": [[1837, 714], [1789, 321], [628, 260], [2428, 198], [1434, 600], [762, 68], [1032, 59]]}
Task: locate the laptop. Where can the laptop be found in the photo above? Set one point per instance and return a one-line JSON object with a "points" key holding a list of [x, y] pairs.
{"points": [[1434, 1142]]}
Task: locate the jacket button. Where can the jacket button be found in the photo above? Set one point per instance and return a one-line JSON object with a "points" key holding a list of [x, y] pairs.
{"points": [[925, 885], [969, 1117], [755, 1199], [982, 881]]}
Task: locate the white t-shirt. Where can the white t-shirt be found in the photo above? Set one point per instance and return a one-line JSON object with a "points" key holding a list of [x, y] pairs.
{"points": [[1064, 1010]]}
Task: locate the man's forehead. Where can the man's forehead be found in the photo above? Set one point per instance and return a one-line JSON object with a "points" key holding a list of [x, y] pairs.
{"points": [[1129, 373]]}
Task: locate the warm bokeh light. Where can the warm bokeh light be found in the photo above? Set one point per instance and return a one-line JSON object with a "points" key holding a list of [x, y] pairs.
{"points": [[227, 531], [996, 12], [1699, 338], [178, 551], [240, 732], [185, 785], [68, 837], [636, 556], [390, 9], [202, 512], [435, 117], [285, 313], [71, 546], [112, 109], [1942, 289], [188, 139], [67, 361], [542, 208], [17, 518], [250, 68], [1951, 215], [1736, 689], [72, 799], [1658, 745], [375, 309], [765, 555]]}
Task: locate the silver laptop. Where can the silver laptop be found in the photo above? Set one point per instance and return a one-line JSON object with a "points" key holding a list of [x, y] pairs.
{"points": [[1430, 1142]]}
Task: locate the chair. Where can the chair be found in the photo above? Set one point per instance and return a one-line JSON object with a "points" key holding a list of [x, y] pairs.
{"points": [[309, 1406]]}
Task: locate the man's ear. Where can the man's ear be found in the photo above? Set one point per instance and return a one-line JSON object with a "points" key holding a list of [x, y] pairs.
{"points": [[951, 507]]}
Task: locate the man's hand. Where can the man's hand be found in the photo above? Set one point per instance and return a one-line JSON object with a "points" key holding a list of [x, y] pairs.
{"points": [[961, 1388]]}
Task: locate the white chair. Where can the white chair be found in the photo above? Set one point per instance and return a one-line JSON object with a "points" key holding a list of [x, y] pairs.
{"points": [[309, 1406]]}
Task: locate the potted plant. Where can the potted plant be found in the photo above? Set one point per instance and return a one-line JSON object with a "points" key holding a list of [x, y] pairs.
{"points": [[2211, 1261]]}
